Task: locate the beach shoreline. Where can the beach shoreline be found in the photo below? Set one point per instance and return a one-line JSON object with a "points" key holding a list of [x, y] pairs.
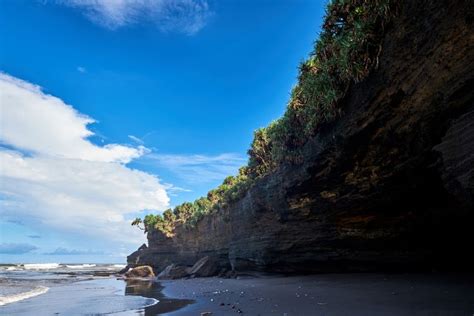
{"points": [[257, 294], [77, 289], [327, 294]]}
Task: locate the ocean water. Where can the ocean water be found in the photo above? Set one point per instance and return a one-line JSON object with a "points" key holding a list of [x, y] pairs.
{"points": [[77, 289]]}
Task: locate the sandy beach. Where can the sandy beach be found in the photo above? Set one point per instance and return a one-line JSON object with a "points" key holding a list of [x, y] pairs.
{"points": [[330, 294]]}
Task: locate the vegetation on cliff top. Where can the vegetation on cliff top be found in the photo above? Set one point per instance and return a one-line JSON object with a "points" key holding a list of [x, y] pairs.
{"points": [[348, 48]]}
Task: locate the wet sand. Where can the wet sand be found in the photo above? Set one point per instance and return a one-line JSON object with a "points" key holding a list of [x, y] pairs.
{"points": [[329, 294], [105, 296]]}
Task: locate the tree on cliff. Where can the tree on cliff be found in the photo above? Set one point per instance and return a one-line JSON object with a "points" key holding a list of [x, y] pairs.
{"points": [[137, 222]]}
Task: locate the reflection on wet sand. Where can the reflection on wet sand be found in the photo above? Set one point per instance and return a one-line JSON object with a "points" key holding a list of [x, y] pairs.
{"points": [[154, 290]]}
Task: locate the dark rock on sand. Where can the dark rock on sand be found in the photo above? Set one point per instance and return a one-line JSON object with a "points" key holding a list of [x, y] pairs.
{"points": [[388, 185], [173, 272], [140, 272], [204, 267]]}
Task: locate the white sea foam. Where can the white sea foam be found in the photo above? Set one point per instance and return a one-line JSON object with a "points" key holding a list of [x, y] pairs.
{"points": [[22, 296], [153, 301], [119, 266], [80, 266], [41, 266]]}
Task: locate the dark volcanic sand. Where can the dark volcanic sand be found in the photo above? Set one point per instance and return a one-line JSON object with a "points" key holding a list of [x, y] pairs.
{"points": [[330, 294]]}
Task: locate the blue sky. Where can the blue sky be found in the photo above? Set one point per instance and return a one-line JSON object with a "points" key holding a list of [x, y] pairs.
{"points": [[173, 89]]}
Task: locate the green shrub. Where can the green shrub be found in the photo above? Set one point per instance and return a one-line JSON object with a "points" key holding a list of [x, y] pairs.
{"points": [[346, 51]]}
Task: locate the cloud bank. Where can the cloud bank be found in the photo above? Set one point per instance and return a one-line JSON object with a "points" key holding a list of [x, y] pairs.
{"points": [[53, 176], [16, 249], [180, 16]]}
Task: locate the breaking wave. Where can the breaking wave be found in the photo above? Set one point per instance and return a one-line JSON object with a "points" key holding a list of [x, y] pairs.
{"points": [[23, 296], [80, 266], [40, 266]]}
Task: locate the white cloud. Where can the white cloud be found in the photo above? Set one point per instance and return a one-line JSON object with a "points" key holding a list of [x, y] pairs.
{"points": [[182, 16], [198, 168], [81, 69], [44, 124], [66, 182]]}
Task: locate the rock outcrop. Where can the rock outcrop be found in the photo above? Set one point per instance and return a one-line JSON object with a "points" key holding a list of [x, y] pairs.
{"points": [[134, 258], [389, 185]]}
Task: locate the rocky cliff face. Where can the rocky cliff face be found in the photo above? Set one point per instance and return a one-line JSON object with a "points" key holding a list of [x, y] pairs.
{"points": [[389, 185]]}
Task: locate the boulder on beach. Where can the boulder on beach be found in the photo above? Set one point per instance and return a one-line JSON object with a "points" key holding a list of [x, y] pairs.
{"points": [[140, 272], [204, 267], [173, 272]]}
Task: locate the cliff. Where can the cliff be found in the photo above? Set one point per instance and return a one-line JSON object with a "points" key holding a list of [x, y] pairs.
{"points": [[388, 185]]}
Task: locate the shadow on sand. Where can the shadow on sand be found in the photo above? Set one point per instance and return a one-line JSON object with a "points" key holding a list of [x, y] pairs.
{"points": [[154, 290]]}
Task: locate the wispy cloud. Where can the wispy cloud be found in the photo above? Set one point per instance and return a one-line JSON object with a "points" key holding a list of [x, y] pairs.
{"points": [[181, 16], [136, 139], [81, 69], [34, 236], [16, 249], [53, 176], [72, 252], [198, 168], [173, 190]]}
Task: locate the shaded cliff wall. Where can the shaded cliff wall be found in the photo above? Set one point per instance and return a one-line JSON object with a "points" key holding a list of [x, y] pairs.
{"points": [[389, 185]]}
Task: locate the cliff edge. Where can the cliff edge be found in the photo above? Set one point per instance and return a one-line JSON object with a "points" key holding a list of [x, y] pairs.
{"points": [[388, 185]]}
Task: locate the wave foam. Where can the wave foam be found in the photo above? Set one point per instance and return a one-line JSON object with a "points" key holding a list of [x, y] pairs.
{"points": [[120, 266], [23, 296], [154, 301], [80, 266], [41, 266]]}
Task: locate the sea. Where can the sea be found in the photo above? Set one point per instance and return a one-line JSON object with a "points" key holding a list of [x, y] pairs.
{"points": [[78, 289]]}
